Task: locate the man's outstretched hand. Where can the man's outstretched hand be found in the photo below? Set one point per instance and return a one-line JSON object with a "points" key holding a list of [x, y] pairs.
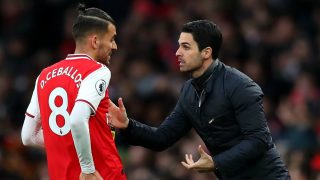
{"points": [[204, 163], [117, 116]]}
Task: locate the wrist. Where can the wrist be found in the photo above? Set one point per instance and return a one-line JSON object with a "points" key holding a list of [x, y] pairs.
{"points": [[88, 170], [215, 167], [127, 123]]}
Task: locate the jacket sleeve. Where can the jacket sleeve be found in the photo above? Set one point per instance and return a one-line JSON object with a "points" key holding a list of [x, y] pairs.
{"points": [[247, 100], [170, 131]]}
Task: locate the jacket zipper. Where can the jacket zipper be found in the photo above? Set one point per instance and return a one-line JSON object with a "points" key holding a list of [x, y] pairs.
{"points": [[200, 98]]}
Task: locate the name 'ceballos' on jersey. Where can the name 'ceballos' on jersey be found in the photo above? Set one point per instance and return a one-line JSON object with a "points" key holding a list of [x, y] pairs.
{"points": [[76, 78]]}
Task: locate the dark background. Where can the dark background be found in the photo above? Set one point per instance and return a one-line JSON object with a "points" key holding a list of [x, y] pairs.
{"points": [[275, 42]]}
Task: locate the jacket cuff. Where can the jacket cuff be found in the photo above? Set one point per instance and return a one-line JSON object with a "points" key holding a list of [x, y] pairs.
{"points": [[218, 170], [130, 125]]}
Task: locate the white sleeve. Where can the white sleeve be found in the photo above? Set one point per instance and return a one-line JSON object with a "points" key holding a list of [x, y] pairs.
{"points": [[93, 87], [79, 125], [31, 133], [91, 92]]}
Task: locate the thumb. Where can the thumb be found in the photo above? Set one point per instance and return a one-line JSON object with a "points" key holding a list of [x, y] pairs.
{"points": [[201, 151], [120, 103]]}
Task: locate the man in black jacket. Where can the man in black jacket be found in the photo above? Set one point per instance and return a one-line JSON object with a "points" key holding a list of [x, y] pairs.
{"points": [[222, 104]]}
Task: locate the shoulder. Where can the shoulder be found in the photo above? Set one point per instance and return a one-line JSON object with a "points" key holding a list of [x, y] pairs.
{"points": [[233, 74], [235, 80], [100, 68], [102, 72]]}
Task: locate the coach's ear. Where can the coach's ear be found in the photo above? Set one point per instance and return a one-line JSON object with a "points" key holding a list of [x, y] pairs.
{"points": [[206, 53]]}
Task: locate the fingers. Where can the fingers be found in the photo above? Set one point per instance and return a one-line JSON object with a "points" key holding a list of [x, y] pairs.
{"points": [[120, 103], [109, 119], [185, 165], [189, 159], [203, 164], [201, 151], [193, 166]]}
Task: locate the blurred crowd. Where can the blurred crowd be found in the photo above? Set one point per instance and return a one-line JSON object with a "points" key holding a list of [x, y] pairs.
{"points": [[275, 42]]}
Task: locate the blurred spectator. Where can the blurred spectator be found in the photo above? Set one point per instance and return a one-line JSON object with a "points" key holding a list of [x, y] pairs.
{"points": [[277, 43]]}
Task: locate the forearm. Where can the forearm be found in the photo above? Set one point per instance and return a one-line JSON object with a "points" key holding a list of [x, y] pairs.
{"points": [[157, 139], [143, 135], [31, 133], [81, 136]]}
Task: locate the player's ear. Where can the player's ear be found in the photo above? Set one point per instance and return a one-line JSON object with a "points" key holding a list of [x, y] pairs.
{"points": [[94, 41]]}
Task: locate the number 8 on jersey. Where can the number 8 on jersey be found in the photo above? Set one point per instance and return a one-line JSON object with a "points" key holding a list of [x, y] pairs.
{"points": [[62, 110]]}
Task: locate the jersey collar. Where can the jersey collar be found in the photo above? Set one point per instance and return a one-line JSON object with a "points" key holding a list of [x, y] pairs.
{"points": [[78, 56]]}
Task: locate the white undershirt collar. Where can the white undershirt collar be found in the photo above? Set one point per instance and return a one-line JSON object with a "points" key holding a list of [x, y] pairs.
{"points": [[78, 56]]}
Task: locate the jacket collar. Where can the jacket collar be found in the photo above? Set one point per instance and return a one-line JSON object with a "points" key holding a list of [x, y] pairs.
{"points": [[203, 82]]}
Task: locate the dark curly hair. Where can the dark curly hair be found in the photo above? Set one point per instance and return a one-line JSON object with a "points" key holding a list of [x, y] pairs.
{"points": [[90, 20]]}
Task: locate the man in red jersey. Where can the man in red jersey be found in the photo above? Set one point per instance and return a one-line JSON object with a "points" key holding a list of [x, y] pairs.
{"points": [[67, 111]]}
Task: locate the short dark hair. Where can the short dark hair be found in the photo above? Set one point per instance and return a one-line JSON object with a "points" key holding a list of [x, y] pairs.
{"points": [[206, 34], [90, 20]]}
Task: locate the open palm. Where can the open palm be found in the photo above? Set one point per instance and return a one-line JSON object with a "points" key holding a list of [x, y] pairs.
{"points": [[204, 163], [117, 116]]}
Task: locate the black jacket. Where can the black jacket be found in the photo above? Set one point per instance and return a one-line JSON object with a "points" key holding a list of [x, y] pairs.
{"points": [[224, 106]]}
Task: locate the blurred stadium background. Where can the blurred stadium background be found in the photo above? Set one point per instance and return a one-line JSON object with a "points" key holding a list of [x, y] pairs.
{"points": [[275, 42]]}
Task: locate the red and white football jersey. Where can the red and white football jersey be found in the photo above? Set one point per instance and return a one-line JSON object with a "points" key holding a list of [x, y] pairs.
{"points": [[76, 78]]}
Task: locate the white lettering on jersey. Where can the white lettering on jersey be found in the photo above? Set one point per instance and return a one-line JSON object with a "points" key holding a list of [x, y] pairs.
{"points": [[72, 72]]}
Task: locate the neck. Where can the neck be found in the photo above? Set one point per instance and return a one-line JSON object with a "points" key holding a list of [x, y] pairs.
{"points": [[199, 83], [80, 50], [202, 69]]}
